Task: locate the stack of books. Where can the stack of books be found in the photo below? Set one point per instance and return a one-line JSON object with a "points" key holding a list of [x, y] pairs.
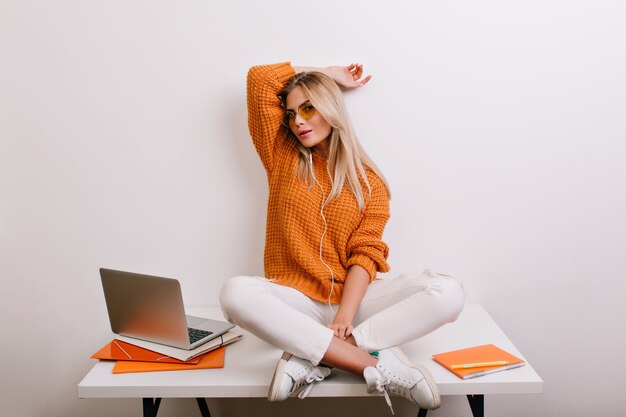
{"points": [[135, 355]]}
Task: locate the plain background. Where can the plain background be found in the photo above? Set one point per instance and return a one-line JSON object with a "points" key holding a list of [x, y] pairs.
{"points": [[499, 125]]}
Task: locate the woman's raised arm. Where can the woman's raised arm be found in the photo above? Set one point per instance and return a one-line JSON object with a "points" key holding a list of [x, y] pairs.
{"points": [[265, 113], [348, 77]]}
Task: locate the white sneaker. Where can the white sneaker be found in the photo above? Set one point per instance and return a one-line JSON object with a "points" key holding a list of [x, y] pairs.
{"points": [[293, 374], [395, 375]]}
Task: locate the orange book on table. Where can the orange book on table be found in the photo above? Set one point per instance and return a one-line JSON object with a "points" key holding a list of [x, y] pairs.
{"points": [[456, 360], [212, 359], [122, 351]]}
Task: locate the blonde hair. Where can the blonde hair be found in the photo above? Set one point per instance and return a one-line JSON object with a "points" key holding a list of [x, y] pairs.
{"points": [[346, 157]]}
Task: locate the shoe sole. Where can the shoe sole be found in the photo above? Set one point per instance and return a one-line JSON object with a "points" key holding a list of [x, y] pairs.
{"points": [[427, 376], [277, 378]]}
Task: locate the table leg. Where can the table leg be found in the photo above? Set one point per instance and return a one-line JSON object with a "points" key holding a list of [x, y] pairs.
{"points": [[477, 404], [204, 409], [151, 407]]}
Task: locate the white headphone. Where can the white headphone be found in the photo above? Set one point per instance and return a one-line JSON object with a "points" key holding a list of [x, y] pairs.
{"points": [[324, 202]]}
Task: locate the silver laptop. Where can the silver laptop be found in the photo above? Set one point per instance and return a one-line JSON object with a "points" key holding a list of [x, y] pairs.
{"points": [[151, 308]]}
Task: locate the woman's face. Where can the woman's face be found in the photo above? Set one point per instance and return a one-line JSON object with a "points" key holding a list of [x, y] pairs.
{"points": [[308, 124]]}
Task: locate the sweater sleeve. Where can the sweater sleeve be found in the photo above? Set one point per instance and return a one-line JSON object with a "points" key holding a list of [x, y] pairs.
{"points": [[365, 246], [265, 113]]}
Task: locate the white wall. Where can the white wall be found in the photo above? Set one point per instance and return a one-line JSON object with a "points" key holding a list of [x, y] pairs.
{"points": [[500, 126]]}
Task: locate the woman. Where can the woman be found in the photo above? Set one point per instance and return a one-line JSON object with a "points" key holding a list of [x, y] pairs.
{"points": [[328, 204]]}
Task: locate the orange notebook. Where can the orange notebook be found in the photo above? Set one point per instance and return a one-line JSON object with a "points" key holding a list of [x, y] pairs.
{"points": [[122, 351], [212, 359], [477, 354]]}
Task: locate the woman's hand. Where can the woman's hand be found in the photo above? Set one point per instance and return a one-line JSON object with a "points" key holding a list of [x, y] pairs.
{"points": [[354, 288], [348, 77], [341, 330]]}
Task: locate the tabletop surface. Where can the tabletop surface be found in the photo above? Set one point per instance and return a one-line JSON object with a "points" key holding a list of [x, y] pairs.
{"points": [[249, 365]]}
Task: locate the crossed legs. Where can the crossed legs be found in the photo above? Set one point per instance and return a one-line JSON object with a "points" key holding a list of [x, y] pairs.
{"points": [[393, 312]]}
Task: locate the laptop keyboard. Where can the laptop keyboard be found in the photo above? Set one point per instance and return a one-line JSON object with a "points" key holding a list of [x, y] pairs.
{"points": [[196, 334]]}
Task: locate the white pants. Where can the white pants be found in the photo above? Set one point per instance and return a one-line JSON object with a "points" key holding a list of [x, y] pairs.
{"points": [[393, 311]]}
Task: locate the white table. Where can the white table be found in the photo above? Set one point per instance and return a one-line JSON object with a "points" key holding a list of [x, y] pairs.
{"points": [[249, 365]]}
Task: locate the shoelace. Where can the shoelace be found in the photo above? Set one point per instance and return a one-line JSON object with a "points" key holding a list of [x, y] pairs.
{"points": [[312, 377], [381, 384]]}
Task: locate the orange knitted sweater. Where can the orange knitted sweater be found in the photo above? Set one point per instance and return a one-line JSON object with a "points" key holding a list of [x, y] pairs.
{"points": [[294, 224]]}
